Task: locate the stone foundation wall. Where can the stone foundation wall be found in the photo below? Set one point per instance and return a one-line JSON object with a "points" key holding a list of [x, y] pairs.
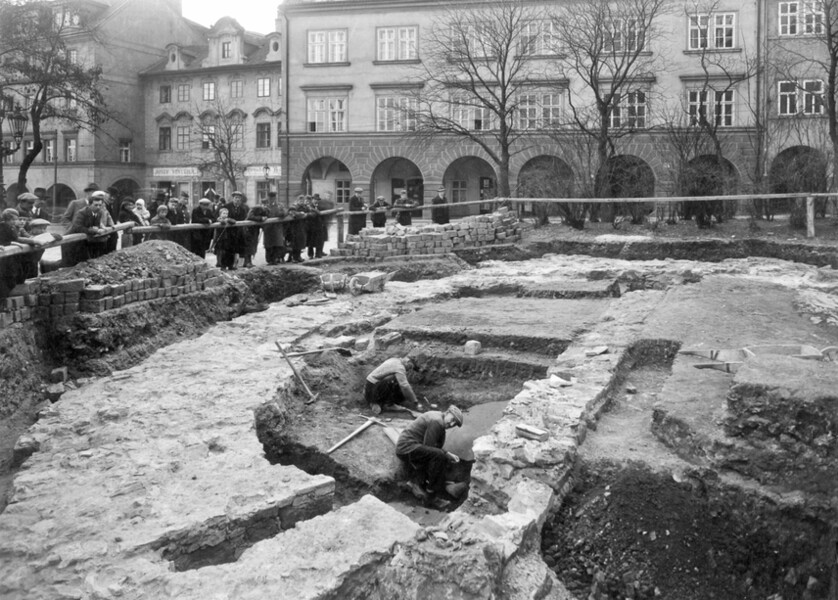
{"points": [[44, 299], [501, 227]]}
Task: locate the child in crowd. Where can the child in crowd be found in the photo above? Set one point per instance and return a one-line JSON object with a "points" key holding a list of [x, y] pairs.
{"points": [[161, 219]]}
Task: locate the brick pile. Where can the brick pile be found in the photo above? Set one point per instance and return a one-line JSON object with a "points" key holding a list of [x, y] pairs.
{"points": [[42, 299], [501, 227]]}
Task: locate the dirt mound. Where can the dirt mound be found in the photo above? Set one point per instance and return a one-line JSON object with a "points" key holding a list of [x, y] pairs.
{"points": [[629, 533], [149, 259]]}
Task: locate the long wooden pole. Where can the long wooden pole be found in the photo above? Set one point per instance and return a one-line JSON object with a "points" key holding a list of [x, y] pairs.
{"points": [[366, 425], [312, 397]]}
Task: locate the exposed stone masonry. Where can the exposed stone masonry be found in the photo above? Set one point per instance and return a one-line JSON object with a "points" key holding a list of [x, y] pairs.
{"points": [[483, 230]]}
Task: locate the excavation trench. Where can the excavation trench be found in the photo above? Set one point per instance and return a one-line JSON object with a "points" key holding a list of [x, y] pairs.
{"points": [[676, 530], [480, 386]]}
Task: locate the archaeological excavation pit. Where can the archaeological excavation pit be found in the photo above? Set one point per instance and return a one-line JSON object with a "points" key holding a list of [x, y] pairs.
{"points": [[650, 469], [512, 350]]}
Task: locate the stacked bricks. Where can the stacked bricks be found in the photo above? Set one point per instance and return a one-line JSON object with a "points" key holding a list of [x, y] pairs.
{"points": [[501, 227], [45, 299]]}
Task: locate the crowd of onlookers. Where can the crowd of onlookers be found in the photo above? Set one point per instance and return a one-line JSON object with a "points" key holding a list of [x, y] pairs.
{"points": [[304, 229]]}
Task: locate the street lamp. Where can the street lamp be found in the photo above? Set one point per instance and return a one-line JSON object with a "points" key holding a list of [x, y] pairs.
{"points": [[17, 121]]}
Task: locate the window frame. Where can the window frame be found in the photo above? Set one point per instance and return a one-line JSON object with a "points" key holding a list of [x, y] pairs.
{"points": [[330, 117], [71, 150], [124, 151], [165, 96], [208, 91], [333, 48], [164, 138], [184, 92], [627, 35], [236, 88], [539, 112], [626, 112], [182, 137], [263, 135], [798, 99], [404, 43], [263, 87], [717, 106], [540, 42], [805, 20], [704, 31], [226, 49], [459, 190], [395, 112]]}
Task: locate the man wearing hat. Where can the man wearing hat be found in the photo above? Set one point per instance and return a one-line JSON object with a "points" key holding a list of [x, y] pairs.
{"points": [[78, 204], [25, 204], [401, 208], [356, 204], [440, 215], [201, 239], [419, 447], [74, 252]]}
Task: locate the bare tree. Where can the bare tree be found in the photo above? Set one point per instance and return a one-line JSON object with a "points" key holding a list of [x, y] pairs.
{"points": [[220, 149], [43, 75], [474, 70], [805, 61], [602, 49], [696, 139]]}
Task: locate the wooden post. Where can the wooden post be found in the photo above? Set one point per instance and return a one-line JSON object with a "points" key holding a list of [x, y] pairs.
{"points": [[810, 217], [340, 227]]}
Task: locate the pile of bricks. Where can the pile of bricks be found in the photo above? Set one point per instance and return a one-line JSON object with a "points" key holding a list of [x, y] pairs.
{"points": [[46, 299], [501, 227]]}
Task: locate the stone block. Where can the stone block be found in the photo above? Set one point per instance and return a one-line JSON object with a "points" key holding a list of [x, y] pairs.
{"points": [[92, 306], [388, 339], [472, 348], [70, 285], [43, 299], [95, 292], [108, 302], [31, 299], [15, 303], [59, 375], [72, 297], [55, 390], [119, 301], [118, 289], [6, 319], [22, 289]]}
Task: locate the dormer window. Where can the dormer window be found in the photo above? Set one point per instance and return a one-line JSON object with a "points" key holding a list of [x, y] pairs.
{"points": [[172, 57], [226, 49]]}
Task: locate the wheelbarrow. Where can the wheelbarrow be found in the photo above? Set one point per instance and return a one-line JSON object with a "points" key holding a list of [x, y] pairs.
{"points": [[369, 281]]}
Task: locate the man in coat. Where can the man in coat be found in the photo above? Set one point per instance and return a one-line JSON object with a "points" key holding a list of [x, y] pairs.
{"points": [[440, 215], [95, 221], [273, 234], [356, 203], [402, 207], [75, 252], [200, 239], [419, 447]]}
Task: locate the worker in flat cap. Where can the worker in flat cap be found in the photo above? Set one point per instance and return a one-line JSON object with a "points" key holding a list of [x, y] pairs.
{"points": [[419, 448], [356, 205]]}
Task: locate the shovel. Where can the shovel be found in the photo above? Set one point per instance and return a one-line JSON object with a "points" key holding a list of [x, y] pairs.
{"points": [[312, 397]]}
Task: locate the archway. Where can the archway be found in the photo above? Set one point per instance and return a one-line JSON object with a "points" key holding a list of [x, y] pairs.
{"points": [[126, 187], [56, 204], [328, 177], [626, 176], [795, 170], [397, 173], [470, 178], [708, 175], [546, 177]]}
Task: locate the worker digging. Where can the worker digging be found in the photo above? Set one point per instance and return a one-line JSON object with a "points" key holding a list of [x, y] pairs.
{"points": [[419, 448], [387, 384]]}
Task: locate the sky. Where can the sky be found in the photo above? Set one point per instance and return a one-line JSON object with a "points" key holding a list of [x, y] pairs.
{"points": [[253, 15]]}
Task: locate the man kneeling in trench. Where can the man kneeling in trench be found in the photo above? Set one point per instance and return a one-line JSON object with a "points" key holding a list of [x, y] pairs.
{"points": [[388, 384], [419, 447]]}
